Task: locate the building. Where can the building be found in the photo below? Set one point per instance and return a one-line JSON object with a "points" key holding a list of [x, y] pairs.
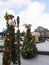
{"points": [[43, 31], [36, 36]]}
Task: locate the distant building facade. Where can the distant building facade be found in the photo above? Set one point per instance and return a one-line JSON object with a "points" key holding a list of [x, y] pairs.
{"points": [[43, 31]]}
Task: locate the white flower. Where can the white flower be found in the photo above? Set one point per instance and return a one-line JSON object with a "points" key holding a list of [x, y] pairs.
{"points": [[10, 22], [8, 39]]}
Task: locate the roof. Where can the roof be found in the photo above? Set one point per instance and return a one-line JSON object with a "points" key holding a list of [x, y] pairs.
{"points": [[41, 29]]}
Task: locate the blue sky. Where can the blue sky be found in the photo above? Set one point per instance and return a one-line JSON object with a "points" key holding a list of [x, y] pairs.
{"points": [[42, 1], [35, 12], [46, 2]]}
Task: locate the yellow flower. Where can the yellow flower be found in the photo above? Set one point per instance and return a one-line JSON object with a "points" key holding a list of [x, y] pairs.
{"points": [[28, 49], [3, 49]]}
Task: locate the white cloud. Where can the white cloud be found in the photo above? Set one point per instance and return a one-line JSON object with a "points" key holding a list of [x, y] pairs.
{"points": [[20, 3], [2, 20], [14, 4], [9, 6], [35, 15]]}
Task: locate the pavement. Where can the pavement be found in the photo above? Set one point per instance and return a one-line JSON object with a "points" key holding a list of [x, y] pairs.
{"points": [[38, 60], [43, 46]]}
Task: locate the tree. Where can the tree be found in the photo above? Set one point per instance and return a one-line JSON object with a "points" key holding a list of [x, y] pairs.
{"points": [[29, 49], [18, 40], [10, 48]]}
